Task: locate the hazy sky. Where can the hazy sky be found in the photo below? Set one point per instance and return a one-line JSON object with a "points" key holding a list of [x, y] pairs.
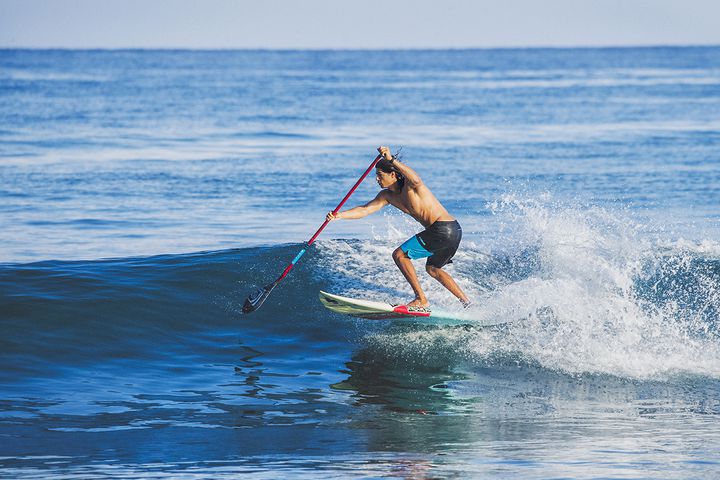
{"points": [[356, 24]]}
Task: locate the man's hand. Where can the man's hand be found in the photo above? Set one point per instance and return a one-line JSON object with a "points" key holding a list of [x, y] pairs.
{"points": [[330, 217], [385, 152]]}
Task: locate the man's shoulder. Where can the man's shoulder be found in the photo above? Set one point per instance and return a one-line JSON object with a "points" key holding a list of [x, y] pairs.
{"points": [[388, 196]]}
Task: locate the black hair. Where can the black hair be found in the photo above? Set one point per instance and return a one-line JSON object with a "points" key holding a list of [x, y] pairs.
{"points": [[387, 166]]}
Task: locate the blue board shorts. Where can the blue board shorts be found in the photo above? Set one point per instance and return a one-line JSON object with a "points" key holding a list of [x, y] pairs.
{"points": [[438, 242]]}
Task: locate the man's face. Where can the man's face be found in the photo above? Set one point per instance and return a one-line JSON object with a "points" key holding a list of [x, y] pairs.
{"points": [[385, 179]]}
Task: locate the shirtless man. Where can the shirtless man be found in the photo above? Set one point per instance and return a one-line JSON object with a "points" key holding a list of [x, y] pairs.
{"points": [[403, 189]]}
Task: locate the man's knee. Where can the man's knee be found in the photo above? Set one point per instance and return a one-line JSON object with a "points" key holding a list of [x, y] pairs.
{"points": [[398, 254], [432, 270]]}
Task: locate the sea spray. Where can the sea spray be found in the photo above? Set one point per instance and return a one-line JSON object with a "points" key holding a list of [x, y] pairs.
{"points": [[592, 263], [585, 290]]}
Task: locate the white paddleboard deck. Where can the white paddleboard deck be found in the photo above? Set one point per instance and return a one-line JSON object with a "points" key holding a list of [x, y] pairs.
{"points": [[374, 310]]}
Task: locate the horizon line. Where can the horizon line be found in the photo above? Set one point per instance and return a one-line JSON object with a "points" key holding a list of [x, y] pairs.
{"points": [[366, 49]]}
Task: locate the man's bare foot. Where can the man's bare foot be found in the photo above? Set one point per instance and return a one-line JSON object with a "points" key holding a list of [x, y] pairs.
{"points": [[419, 303]]}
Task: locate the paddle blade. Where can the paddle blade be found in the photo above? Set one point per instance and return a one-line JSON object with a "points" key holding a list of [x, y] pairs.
{"points": [[256, 299]]}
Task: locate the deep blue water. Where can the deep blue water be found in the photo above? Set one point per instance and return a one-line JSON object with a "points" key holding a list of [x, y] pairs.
{"points": [[145, 194]]}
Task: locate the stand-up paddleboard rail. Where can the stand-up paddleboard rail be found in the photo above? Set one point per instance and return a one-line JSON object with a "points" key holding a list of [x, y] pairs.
{"points": [[375, 310]]}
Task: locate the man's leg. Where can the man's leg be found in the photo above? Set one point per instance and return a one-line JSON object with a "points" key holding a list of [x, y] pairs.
{"points": [[447, 281], [406, 267]]}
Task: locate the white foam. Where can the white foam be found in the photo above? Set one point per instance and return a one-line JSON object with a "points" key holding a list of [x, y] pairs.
{"points": [[577, 311]]}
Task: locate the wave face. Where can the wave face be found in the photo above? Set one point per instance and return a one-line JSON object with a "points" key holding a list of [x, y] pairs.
{"points": [[582, 291]]}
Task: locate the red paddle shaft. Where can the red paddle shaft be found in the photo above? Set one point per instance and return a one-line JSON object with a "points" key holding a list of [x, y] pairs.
{"points": [[256, 299], [342, 202]]}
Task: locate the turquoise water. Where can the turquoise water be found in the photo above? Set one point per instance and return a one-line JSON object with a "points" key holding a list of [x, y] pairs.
{"points": [[145, 194]]}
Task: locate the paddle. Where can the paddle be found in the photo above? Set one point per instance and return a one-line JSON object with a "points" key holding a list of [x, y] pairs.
{"points": [[256, 299]]}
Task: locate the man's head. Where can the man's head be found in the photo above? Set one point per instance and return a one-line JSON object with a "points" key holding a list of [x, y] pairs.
{"points": [[387, 176]]}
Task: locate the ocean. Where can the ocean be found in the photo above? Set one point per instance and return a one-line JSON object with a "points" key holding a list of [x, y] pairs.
{"points": [[144, 194]]}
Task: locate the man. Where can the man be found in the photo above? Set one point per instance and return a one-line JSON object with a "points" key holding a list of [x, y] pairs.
{"points": [[403, 189]]}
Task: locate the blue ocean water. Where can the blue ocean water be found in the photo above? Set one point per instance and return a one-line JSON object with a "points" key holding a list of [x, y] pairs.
{"points": [[145, 194]]}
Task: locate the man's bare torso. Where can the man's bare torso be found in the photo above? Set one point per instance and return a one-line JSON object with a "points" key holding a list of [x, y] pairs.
{"points": [[420, 203]]}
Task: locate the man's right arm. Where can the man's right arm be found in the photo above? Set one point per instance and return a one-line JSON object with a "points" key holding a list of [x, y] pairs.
{"points": [[361, 211], [412, 179]]}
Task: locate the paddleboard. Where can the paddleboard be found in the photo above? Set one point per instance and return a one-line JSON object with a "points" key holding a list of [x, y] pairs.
{"points": [[374, 310]]}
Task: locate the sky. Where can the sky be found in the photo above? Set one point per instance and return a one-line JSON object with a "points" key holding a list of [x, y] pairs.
{"points": [[359, 24]]}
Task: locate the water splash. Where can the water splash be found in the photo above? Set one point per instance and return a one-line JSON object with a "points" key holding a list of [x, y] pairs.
{"points": [[587, 291]]}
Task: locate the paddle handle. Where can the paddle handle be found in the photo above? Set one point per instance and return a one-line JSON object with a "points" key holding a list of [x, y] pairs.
{"points": [[342, 202]]}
